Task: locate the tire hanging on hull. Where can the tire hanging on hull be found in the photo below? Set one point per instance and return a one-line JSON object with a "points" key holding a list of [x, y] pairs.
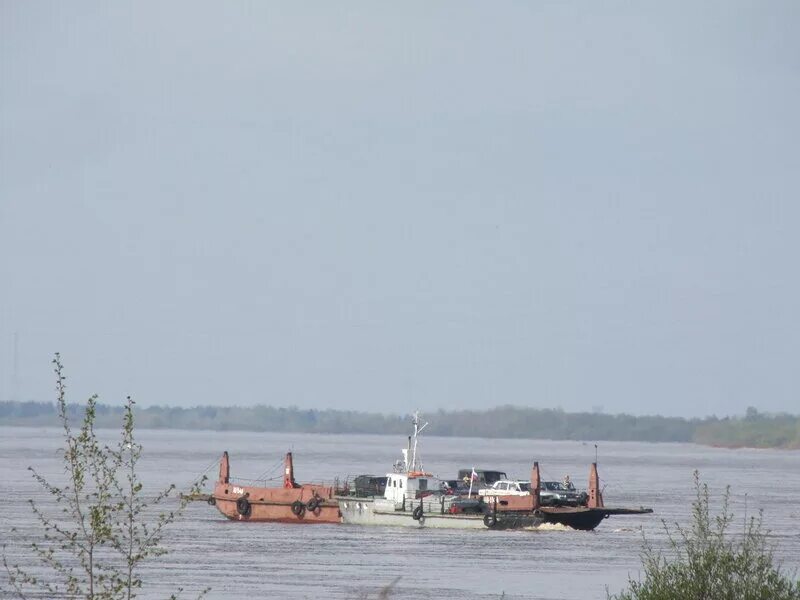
{"points": [[243, 506], [298, 508]]}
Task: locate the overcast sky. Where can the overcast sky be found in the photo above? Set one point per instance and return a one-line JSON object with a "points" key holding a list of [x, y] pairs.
{"points": [[385, 206]]}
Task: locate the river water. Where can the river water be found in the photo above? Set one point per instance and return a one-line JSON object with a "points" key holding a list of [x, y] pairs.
{"points": [[264, 560]]}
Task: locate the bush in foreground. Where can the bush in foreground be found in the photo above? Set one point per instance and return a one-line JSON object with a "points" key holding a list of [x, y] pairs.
{"points": [[708, 561], [105, 528]]}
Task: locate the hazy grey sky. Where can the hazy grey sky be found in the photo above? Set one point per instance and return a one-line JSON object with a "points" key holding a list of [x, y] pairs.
{"points": [[387, 206]]}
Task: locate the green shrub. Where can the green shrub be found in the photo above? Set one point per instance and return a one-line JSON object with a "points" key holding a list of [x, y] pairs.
{"points": [[104, 527], [709, 561]]}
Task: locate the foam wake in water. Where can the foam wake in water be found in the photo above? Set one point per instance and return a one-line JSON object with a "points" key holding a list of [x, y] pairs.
{"points": [[550, 527]]}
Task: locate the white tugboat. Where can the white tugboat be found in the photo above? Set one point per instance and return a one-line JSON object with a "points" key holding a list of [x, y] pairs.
{"points": [[415, 498]]}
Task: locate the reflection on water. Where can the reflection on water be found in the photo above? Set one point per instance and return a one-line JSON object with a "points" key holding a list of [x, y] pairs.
{"points": [[339, 561]]}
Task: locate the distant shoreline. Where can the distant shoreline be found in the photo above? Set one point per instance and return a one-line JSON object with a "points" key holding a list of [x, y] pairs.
{"points": [[753, 430]]}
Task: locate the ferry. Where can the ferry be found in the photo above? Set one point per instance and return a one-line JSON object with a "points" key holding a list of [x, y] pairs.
{"points": [[411, 497], [415, 498]]}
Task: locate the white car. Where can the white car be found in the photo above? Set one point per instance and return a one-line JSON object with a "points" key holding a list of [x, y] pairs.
{"points": [[507, 487]]}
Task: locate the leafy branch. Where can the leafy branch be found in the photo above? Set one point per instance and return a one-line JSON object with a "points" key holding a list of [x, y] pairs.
{"points": [[707, 561], [106, 527]]}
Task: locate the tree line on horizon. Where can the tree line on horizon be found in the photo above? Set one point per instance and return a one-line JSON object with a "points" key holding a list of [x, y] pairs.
{"points": [[754, 429]]}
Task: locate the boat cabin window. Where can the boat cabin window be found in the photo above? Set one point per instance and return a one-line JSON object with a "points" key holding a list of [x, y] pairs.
{"points": [[401, 483], [423, 484], [394, 482]]}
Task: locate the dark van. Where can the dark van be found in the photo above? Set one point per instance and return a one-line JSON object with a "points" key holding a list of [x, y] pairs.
{"points": [[484, 477]]}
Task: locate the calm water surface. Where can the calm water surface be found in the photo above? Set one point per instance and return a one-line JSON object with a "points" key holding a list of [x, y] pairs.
{"points": [[333, 561]]}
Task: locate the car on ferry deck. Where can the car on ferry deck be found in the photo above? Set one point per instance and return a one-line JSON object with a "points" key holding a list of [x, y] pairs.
{"points": [[554, 493], [507, 487]]}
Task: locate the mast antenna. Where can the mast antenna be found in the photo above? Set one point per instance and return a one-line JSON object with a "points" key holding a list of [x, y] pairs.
{"points": [[417, 431]]}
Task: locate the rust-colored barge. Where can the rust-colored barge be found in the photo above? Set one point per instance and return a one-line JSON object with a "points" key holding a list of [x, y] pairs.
{"points": [[584, 518], [291, 503]]}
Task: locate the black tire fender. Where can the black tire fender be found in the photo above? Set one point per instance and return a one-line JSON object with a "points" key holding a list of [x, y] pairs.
{"points": [[211, 500], [298, 508], [243, 506], [417, 514], [313, 504], [490, 520]]}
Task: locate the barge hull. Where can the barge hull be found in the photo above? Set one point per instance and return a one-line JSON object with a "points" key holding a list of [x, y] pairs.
{"points": [[291, 503], [278, 510]]}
